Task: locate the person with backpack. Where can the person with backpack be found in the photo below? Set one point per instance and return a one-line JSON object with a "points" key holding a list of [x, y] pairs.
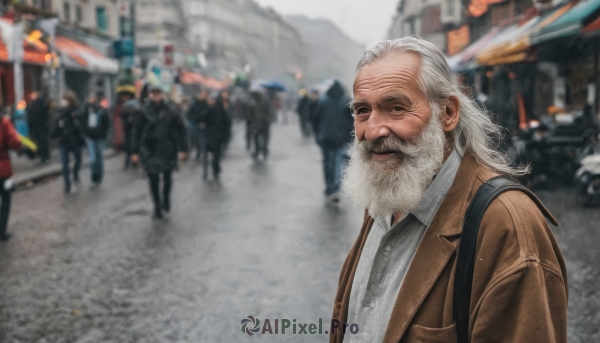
{"points": [[96, 124], [158, 135], [9, 139], [451, 248], [68, 129]]}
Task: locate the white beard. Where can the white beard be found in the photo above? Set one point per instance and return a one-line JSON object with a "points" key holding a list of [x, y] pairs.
{"points": [[387, 187]]}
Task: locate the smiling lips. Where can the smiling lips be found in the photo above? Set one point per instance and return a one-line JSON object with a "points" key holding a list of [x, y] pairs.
{"points": [[384, 155]]}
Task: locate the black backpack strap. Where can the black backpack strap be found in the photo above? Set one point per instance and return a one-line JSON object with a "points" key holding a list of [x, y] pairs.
{"points": [[465, 264]]}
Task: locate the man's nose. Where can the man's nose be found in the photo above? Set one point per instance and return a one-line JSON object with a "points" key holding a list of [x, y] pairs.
{"points": [[377, 126]]}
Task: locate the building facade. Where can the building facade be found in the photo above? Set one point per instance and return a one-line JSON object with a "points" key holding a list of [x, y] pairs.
{"points": [[433, 20]]}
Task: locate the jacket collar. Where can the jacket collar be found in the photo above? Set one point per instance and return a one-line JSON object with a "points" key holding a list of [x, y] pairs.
{"points": [[436, 192]]}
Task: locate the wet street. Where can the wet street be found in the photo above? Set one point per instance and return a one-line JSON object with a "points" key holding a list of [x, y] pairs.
{"points": [[93, 266]]}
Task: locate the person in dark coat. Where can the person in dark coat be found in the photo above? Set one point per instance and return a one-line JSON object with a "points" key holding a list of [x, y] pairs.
{"points": [[158, 134], [96, 123], [313, 107], [334, 126], [259, 115], [216, 125], [9, 139], [224, 105], [38, 119], [68, 129], [303, 110], [196, 116], [130, 111]]}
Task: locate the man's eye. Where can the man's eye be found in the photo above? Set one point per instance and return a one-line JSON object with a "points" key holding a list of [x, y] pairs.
{"points": [[397, 108], [361, 111]]}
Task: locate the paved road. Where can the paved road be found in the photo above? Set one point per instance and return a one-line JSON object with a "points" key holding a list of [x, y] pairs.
{"points": [[93, 267]]}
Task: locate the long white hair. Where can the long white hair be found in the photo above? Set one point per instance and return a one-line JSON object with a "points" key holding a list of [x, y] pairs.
{"points": [[475, 132]]}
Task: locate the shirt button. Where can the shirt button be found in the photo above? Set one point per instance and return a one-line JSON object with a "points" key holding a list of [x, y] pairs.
{"points": [[371, 305], [387, 248]]}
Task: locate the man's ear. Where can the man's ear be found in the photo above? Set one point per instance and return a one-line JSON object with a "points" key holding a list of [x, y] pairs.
{"points": [[451, 114]]}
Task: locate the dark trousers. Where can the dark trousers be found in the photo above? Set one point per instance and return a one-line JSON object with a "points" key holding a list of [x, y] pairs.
{"points": [[96, 154], [40, 136], [154, 179], [261, 142], [248, 135], [4, 208], [64, 159], [215, 151], [127, 132], [334, 160]]}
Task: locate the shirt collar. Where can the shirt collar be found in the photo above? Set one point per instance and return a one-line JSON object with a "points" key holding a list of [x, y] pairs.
{"points": [[437, 190]]}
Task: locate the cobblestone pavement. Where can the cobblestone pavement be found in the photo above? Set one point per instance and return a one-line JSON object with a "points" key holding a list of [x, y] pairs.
{"points": [[93, 266]]}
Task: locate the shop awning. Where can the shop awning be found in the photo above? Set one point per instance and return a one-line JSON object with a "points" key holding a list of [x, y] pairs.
{"points": [[513, 47], [77, 55], [462, 61], [33, 52], [190, 78], [569, 23]]}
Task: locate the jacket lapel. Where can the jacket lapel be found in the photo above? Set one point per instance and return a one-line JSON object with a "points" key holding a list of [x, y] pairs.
{"points": [[434, 251]]}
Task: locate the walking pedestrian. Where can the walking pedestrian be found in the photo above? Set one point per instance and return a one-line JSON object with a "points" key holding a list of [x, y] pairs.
{"points": [[38, 117], [129, 112], [334, 125], [9, 139], [197, 116], [158, 134], [67, 128], [96, 124], [313, 107], [303, 110], [224, 106], [216, 122], [259, 115]]}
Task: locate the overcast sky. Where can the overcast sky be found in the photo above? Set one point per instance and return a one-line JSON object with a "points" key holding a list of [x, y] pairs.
{"points": [[366, 21]]}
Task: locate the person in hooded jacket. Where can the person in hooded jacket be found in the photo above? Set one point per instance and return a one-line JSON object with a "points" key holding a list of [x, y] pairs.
{"points": [[96, 122], [158, 135], [68, 129], [334, 125]]}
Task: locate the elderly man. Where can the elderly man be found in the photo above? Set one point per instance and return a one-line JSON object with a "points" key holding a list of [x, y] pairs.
{"points": [[421, 151]]}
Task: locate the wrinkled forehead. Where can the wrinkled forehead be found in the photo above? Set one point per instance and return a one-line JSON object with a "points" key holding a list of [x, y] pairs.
{"points": [[394, 70]]}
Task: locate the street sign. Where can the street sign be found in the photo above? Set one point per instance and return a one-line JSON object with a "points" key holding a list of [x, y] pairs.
{"points": [[124, 8]]}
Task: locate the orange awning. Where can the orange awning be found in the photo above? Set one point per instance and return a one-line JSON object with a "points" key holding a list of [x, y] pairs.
{"points": [[187, 77], [32, 54], [514, 48]]}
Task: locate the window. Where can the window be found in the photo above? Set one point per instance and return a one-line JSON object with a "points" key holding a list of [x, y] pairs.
{"points": [[67, 11], [78, 14], [101, 19]]}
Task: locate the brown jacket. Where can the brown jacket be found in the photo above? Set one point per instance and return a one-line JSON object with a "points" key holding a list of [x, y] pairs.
{"points": [[519, 284]]}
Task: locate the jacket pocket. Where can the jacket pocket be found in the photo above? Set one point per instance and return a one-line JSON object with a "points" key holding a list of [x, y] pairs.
{"points": [[417, 334]]}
